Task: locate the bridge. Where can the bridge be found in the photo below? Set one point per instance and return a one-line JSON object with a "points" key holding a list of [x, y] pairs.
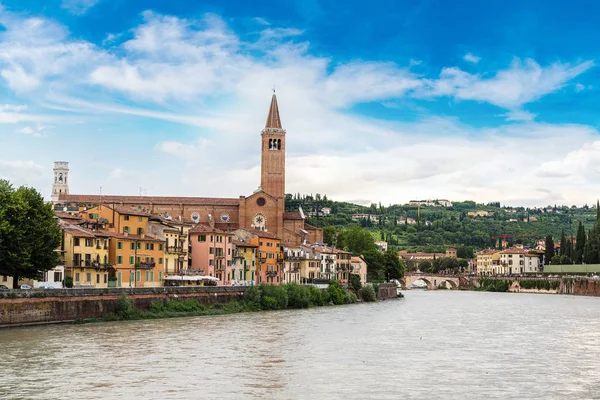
{"points": [[433, 281]]}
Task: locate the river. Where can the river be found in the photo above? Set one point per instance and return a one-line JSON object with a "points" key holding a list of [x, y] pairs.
{"points": [[430, 345]]}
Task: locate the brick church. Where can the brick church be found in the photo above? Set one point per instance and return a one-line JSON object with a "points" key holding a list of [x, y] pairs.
{"points": [[263, 210]]}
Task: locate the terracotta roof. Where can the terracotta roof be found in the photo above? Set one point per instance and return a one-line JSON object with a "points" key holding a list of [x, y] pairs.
{"points": [[273, 120], [124, 210], [203, 228], [193, 201], [513, 251], [310, 227], [239, 243], [292, 215], [531, 255], [65, 215], [78, 231], [264, 234], [227, 225]]}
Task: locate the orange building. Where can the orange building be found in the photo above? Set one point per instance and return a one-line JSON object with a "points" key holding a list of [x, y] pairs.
{"points": [[119, 219], [138, 260], [269, 259]]}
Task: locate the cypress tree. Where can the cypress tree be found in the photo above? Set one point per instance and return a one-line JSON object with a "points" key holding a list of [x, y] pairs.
{"points": [[549, 253], [579, 244], [563, 243]]}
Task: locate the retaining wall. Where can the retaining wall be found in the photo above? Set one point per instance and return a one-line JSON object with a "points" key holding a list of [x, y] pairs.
{"points": [[27, 307]]}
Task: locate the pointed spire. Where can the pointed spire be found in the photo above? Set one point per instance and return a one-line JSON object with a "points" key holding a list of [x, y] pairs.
{"points": [[273, 120]]}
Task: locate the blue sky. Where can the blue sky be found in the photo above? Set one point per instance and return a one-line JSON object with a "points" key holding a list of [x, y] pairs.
{"points": [[385, 101]]}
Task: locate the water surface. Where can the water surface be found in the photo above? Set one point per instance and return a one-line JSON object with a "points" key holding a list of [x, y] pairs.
{"points": [[430, 345]]}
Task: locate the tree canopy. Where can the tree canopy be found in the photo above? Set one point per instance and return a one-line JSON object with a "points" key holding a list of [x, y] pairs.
{"points": [[29, 234]]}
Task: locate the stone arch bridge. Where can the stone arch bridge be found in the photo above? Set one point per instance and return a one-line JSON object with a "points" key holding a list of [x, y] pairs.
{"points": [[433, 281]]}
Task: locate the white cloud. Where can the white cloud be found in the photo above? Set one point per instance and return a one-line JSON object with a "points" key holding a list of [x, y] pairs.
{"points": [[519, 115], [20, 172], [471, 58], [33, 131], [78, 7], [262, 21], [522, 83]]}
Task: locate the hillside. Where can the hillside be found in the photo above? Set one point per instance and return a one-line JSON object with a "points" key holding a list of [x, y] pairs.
{"points": [[435, 227]]}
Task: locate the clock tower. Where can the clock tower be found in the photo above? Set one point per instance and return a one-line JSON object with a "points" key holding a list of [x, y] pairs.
{"points": [[272, 176]]}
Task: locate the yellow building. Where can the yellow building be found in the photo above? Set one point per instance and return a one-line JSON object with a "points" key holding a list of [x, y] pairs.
{"points": [[138, 260], [244, 266], [488, 261], [86, 257], [176, 245], [119, 219]]}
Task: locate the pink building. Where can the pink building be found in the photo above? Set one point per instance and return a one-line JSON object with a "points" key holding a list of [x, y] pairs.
{"points": [[211, 252], [359, 267]]}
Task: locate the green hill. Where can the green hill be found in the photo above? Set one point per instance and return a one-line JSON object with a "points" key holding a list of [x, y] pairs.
{"points": [[437, 227]]}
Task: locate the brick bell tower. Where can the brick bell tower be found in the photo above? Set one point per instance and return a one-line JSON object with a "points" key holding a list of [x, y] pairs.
{"points": [[272, 176]]}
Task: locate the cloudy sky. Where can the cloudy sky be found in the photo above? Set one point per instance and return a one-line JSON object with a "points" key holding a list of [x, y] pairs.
{"points": [[382, 101]]}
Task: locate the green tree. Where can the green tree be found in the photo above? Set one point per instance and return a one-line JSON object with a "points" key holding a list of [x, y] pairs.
{"points": [[358, 240], [563, 243], [394, 268], [375, 265], [549, 253], [29, 235], [579, 244], [329, 235], [465, 252]]}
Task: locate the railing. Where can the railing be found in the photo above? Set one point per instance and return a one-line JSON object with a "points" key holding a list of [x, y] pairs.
{"points": [[147, 265], [271, 273], [175, 250]]}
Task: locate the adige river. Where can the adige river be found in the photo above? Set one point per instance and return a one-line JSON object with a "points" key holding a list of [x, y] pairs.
{"points": [[430, 345]]}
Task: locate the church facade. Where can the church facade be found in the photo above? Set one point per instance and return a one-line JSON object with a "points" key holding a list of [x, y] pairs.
{"points": [[263, 210]]}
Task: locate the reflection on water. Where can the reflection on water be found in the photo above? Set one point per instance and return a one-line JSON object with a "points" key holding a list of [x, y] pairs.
{"points": [[452, 345]]}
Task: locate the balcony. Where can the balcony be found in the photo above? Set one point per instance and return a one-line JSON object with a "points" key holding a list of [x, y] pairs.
{"points": [[146, 265], [271, 273], [293, 258], [176, 250], [219, 267]]}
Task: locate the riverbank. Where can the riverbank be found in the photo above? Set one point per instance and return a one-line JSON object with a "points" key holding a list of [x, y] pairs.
{"points": [[18, 308]]}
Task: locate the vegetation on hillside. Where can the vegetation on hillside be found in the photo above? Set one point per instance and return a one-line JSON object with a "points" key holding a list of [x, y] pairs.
{"points": [[437, 228]]}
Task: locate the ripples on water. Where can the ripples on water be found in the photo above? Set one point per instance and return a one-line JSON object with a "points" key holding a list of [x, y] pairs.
{"points": [[446, 345]]}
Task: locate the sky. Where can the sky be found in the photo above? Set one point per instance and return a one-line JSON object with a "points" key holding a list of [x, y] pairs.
{"points": [[383, 101]]}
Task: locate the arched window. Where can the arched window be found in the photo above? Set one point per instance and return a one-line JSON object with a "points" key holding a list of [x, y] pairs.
{"points": [[270, 144], [278, 144]]}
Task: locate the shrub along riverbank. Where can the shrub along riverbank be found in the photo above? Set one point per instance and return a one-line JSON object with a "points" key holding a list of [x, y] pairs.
{"points": [[256, 298], [502, 285]]}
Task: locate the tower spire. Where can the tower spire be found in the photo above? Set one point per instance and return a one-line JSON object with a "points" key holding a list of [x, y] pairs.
{"points": [[273, 120]]}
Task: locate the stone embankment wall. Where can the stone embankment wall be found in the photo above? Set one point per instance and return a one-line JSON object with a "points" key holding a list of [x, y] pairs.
{"points": [[387, 291], [583, 287], [25, 307]]}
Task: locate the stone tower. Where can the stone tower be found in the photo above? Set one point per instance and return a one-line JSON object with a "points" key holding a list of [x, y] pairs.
{"points": [[272, 176], [61, 183]]}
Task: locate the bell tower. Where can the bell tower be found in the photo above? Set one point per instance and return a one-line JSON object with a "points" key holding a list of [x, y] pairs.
{"points": [[272, 176], [61, 183]]}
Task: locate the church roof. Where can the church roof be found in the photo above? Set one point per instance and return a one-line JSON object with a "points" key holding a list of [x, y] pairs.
{"points": [[273, 120], [292, 215], [192, 201]]}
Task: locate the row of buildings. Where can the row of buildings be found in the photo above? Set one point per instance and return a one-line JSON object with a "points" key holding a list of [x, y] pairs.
{"points": [[513, 261], [119, 246]]}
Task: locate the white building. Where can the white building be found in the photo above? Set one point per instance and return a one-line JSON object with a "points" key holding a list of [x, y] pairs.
{"points": [[532, 263], [325, 210], [381, 245]]}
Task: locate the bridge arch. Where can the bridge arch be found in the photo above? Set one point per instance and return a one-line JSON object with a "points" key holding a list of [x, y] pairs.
{"points": [[448, 282], [430, 284]]}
